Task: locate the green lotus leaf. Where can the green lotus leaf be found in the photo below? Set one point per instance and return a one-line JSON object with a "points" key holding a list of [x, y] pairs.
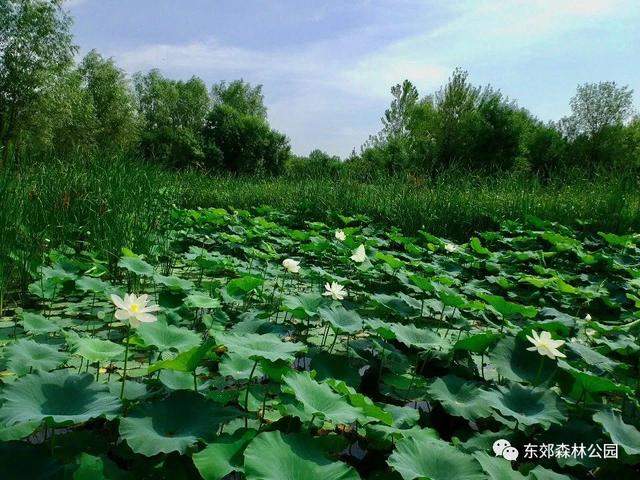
{"points": [[18, 431], [477, 343], [577, 380], [460, 398], [186, 361], [390, 260], [529, 406], [342, 320], [136, 265], [94, 349], [273, 456], [91, 467], [433, 459], [92, 284], [25, 356], [174, 283], [497, 467], [175, 380], [625, 435], [255, 346], [238, 367], [173, 424], [45, 289], [506, 308], [224, 455], [201, 300], [317, 399], [240, 287], [333, 366], [541, 473], [514, 362], [423, 283], [167, 337], [478, 248], [381, 327], [422, 338], [402, 305], [303, 305], [361, 401], [59, 396], [593, 358], [37, 324]]}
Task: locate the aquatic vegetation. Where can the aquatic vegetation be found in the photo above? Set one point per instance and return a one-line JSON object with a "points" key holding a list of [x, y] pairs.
{"points": [[255, 345]]}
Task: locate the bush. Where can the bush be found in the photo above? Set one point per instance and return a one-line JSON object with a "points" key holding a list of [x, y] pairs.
{"points": [[243, 143]]}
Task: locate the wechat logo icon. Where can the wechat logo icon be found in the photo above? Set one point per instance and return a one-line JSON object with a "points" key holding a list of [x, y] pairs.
{"points": [[502, 448]]}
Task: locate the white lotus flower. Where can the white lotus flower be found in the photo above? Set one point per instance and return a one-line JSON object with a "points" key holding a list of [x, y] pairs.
{"points": [[545, 345], [134, 308], [587, 317], [359, 254], [291, 265], [450, 247], [340, 235], [335, 291]]}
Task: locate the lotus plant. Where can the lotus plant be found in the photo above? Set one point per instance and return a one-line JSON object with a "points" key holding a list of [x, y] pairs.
{"points": [[545, 345], [291, 265], [335, 291], [136, 310], [359, 254]]}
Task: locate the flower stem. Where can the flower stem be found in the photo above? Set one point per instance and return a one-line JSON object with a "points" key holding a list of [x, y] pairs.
{"points": [[246, 395], [536, 383], [126, 357]]}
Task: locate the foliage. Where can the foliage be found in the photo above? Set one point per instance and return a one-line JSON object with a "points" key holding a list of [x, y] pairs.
{"points": [[241, 96], [35, 47], [242, 143], [413, 375], [172, 113]]}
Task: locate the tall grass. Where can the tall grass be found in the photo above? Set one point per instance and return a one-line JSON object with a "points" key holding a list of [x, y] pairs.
{"points": [[105, 203], [456, 204]]}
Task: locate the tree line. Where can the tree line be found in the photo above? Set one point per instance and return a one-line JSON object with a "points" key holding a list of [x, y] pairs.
{"points": [[52, 105]]}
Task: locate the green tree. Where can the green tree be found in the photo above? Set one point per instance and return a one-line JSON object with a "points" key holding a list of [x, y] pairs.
{"points": [[597, 128], [316, 164], [397, 117], [66, 120], [172, 114], [240, 95], [113, 102], [597, 106], [243, 143], [35, 48]]}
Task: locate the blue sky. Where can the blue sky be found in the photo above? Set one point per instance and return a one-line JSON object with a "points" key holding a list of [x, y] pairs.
{"points": [[327, 66]]}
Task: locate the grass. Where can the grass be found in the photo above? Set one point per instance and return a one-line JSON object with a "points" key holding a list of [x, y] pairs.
{"points": [[106, 203]]}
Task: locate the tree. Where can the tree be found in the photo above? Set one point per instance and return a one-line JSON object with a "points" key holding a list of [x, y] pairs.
{"points": [[397, 116], [35, 48], [243, 143], [317, 164], [596, 106], [596, 127], [112, 100], [240, 95], [172, 114]]}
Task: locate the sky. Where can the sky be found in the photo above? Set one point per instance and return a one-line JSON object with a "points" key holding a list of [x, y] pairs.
{"points": [[327, 67]]}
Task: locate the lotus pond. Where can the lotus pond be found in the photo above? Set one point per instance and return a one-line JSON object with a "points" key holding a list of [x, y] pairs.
{"points": [[260, 348]]}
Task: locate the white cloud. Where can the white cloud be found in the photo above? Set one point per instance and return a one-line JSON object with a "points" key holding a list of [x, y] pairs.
{"points": [[330, 93]]}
